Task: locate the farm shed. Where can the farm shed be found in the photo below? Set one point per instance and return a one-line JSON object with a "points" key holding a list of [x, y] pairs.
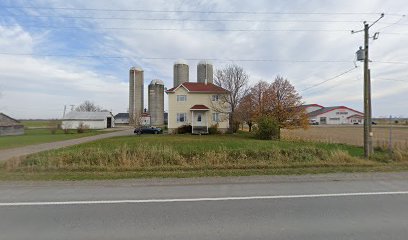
{"points": [[336, 115], [122, 118], [92, 120], [9, 126]]}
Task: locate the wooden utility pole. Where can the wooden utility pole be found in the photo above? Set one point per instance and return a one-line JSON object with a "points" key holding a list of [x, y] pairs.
{"points": [[368, 132]]}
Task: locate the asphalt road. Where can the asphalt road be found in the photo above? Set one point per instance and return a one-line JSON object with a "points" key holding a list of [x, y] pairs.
{"points": [[342, 206]]}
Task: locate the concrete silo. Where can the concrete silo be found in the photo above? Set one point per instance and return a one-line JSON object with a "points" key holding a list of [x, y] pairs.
{"points": [[180, 72], [205, 72], [136, 86], [156, 102]]}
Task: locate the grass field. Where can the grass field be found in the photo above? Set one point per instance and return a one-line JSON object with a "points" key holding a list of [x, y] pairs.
{"points": [[36, 136], [192, 156], [40, 123], [352, 135]]}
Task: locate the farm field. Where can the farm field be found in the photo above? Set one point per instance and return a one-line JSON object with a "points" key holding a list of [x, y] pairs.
{"points": [[352, 135], [40, 123], [194, 156]]}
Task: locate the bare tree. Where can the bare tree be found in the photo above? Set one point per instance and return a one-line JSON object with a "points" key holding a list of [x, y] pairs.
{"points": [[88, 106], [234, 79]]}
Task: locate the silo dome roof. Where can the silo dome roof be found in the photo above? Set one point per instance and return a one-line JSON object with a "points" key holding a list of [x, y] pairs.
{"points": [[205, 62], [156, 81], [137, 69], [180, 61]]}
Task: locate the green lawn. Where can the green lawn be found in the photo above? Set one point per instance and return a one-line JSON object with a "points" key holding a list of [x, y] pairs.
{"points": [[35, 136], [193, 156], [40, 123]]}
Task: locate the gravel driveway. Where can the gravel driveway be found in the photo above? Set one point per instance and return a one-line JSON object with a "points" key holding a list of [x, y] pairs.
{"points": [[21, 151]]}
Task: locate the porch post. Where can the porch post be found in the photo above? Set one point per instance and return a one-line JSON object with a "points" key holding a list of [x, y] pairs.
{"points": [[206, 120], [192, 122]]}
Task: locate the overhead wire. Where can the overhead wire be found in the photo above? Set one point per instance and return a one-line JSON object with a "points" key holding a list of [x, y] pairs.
{"points": [[330, 79]]}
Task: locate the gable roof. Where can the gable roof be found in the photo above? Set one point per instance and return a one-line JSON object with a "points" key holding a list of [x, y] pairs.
{"points": [[8, 121], [195, 87], [311, 105], [199, 107], [329, 109], [122, 115], [87, 115]]}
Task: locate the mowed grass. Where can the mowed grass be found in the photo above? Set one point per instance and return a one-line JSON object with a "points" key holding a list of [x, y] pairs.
{"points": [[40, 123], [36, 136], [193, 156]]}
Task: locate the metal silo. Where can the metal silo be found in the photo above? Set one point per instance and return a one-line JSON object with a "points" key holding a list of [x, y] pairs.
{"points": [[180, 73], [136, 80], [156, 102], [205, 72]]}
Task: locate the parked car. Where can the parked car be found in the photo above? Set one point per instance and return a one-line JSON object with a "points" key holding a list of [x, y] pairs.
{"points": [[313, 122], [148, 130]]}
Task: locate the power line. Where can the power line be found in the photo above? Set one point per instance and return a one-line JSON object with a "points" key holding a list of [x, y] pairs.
{"points": [[190, 20], [174, 58], [195, 11], [330, 79], [181, 29]]}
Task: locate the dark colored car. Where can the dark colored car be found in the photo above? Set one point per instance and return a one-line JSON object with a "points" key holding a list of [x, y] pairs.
{"points": [[148, 130]]}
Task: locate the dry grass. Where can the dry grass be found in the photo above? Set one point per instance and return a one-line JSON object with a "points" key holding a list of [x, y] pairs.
{"points": [[351, 135], [142, 157]]}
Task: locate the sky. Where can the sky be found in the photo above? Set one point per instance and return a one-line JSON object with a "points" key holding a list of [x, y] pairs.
{"points": [[60, 53]]}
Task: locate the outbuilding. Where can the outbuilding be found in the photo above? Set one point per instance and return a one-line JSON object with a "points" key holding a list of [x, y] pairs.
{"points": [[122, 118], [90, 120], [10, 126], [336, 115]]}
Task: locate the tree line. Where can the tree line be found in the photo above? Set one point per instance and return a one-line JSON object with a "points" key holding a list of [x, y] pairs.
{"points": [[267, 106]]}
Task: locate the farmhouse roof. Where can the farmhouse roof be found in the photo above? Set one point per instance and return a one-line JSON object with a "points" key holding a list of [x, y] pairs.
{"points": [[311, 105], [87, 115], [199, 107], [8, 121], [329, 109], [195, 87]]}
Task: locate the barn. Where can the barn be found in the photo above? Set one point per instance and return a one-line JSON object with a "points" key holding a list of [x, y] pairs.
{"points": [[91, 120], [122, 118], [335, 115], [9, 126]]}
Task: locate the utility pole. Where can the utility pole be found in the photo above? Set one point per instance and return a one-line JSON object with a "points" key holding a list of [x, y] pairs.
{"points": [[362, 55], [65, 109]]}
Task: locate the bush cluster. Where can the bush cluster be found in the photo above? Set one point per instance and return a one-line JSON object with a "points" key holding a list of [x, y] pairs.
{"points": [[267, 128]]}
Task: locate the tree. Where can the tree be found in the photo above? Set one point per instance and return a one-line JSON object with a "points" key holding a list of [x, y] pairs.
{"points": [[278, 101], [88, 106], [234, 79], [245, 112]]}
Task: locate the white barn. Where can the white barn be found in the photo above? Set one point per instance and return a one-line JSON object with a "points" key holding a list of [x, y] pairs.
{"points": [[92, 120], [335, 115]]}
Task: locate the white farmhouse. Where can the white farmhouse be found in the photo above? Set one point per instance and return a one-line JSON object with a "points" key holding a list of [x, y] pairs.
{"points": [[333, 115], [199, 105], [92, 120]]}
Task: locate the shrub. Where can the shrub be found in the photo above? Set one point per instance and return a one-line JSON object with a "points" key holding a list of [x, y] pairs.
{"points": [[213, 129], [82, 128], [184, 129], [267, 128]]}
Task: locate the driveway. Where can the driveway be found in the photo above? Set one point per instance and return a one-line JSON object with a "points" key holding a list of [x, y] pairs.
{"points": [[22, 151]]}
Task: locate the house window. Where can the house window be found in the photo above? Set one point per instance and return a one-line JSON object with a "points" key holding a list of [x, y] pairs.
{"points": [[181, 117], [199, 117], [181, 98], [216, 117], [334, 119], [215, 98]]}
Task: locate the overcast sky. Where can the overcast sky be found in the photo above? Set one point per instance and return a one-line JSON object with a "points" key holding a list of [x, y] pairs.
{"points": [[56, 53]]}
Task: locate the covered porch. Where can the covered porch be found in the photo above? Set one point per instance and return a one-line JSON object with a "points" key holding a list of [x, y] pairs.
{"points": [[199, 119]]}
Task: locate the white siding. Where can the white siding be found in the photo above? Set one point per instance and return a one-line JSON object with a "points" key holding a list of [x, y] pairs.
{"points": [[184, 107], [336, 116], [91, 124]]}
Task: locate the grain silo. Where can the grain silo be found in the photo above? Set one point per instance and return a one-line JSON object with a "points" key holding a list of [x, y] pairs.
{"points": [[180, 72], [156, 102], [205, 72], [136, 80]]}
